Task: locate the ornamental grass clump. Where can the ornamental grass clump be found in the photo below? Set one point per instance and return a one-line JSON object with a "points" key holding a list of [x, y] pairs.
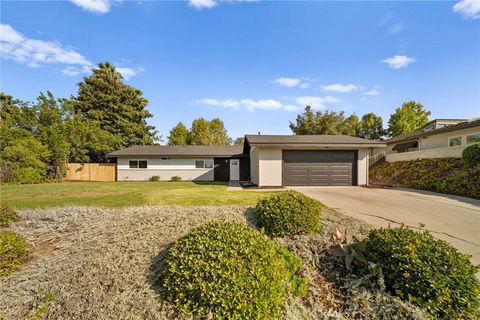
{"points": [[427, 272], [13, 252], [230, 271], [288, 213], [7, 215]]}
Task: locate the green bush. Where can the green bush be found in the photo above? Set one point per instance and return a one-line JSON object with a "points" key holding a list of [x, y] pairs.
{"points": [[154, 178], [288, 213], [427, 272], [175, 179], [232, 271], [471, 155], [7, 215], [13, 252]]}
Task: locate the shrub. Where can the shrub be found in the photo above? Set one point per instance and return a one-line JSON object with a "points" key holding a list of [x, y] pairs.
{"points": [[471, 155], [13, 252], [232, 271], [288, 213], [7, 215], [427, 272], [175, 179], [154, 178]]}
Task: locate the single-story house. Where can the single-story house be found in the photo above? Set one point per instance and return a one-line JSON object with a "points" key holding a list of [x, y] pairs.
{"points": [[265, 160], [446, 140]]}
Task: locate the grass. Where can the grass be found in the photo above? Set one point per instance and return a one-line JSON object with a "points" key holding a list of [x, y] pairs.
{"points": [[122, 194]]}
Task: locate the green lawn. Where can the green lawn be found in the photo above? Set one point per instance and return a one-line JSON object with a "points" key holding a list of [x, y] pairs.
{"points": [[120, 194]]}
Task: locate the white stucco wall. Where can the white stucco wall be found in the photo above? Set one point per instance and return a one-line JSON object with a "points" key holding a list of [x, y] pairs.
{"points": [[362, 167], [442, 139], [165, 169], [270, 166], [446, 152]]}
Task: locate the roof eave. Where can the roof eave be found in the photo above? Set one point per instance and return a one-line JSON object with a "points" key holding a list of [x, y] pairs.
{"points": [[322, 145]]}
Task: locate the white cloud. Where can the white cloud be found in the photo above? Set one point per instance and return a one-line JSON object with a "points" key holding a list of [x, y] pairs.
{"points": [[398, 62], [341, 88], [305, 85], [96, 6], [266, 104], [287, 82], [227, 103], [372, 92], [202, 4], [35, 53], [470, 9], [291, 108], [396, 28], [316, 102]]}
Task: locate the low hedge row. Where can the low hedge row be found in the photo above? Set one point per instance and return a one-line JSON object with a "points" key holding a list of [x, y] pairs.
{"points": [[445, 175]]}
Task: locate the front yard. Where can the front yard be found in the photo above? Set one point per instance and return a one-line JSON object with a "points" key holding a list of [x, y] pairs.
{"points": [[121, 194]]}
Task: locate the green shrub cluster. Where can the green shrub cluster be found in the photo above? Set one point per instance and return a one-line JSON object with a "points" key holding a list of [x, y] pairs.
{"points": [[231, 271], [154, 178], [471, 155], [288, 213], [13, 252], [175, 179], [445, 175], [7, 215], [427, 272]]}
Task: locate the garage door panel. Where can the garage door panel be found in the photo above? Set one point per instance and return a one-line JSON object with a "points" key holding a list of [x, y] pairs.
{"points": [[318, 168]]}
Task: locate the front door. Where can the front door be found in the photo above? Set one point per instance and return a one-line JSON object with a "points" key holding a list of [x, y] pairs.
{"points": [[234, 169]]}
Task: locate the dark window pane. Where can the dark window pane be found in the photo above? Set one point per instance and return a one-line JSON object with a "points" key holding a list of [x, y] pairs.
{"points": [[142, 164], [455, 141], [133, 164], [199, 164], [474, 138]]}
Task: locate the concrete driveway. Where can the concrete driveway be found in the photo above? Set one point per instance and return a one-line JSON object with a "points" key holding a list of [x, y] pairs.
{"points": [[451, 218]]}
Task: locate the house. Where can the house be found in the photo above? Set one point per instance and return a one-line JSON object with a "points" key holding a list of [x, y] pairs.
{"points": [[265, 160], [444, 140]]}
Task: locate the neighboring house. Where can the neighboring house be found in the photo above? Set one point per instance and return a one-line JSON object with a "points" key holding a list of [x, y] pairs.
{"points": [[265, 160], [442, 123], [443, 141]]}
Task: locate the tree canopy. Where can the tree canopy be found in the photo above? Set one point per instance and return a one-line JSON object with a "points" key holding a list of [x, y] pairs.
{"points": [[179, 135], [202, 132], [371, 127], [409, 117]]}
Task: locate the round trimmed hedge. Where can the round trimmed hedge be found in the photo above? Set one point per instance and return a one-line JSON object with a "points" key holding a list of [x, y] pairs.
{"points": [[427, 272], [7, 215], [471, 155], [288, 213], [230, 271], [14, 251]]}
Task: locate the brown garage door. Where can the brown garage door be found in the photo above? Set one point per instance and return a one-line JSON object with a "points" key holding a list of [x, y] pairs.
{"points": [[319, 168]]}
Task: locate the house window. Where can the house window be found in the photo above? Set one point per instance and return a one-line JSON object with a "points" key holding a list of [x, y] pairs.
{"points": [[455, 141], [199, 164], [473, 138], [134, 164]]}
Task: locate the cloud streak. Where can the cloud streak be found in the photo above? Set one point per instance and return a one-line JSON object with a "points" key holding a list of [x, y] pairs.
{"points": [[469, 9], [341, 88], [95, 6], [399, 61]]}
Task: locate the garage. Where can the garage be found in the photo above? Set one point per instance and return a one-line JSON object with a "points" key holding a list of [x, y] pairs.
{"points": [[319, 168]]}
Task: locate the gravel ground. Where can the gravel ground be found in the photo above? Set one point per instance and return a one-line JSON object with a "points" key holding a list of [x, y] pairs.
{"points": [[90, 263]]}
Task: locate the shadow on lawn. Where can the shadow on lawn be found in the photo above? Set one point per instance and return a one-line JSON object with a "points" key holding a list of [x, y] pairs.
{"points": [[154, 276]]}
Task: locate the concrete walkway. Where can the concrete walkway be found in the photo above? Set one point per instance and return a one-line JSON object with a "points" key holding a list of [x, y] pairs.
{"points": [[451, 218]]}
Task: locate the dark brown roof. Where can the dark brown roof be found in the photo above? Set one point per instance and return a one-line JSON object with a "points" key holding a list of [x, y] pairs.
{"points": [[424, 132], [309, 140], [178, 151]]}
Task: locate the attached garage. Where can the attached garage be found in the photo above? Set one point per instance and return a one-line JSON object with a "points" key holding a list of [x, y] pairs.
{"points": [[319, 168], [308, 160]]}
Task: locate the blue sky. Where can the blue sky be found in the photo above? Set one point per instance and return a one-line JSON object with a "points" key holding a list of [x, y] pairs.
{"points": [[254, 64]]}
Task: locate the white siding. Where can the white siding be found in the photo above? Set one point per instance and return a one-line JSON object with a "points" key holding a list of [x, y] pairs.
{"points": [[165, 169], [362, 167], [270, 166]]}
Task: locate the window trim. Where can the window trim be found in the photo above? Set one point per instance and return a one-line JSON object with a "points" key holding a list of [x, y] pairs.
{"points": [[137, 161], [452, 138], [203, 164]]}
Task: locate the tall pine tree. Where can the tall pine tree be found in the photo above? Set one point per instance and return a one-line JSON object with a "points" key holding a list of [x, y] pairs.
{"points": [[117, 108]]}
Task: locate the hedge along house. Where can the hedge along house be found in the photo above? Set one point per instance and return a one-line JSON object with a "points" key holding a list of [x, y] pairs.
{"points": [[265, 160], [197, 163]]}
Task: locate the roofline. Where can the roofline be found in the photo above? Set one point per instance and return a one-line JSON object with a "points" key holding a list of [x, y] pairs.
{"points": [[321, 145], [465, 125]]}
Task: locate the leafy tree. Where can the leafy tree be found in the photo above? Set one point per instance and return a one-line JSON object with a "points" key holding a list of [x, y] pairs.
{"points": [[326, 122], [219, 133], [409, 117], [117, 108], [371, 127], [179, 135], [239, 141], [306, 123], [350, 126]]}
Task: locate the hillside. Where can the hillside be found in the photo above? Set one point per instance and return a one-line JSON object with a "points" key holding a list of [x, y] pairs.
{"points": [[445, 175]]}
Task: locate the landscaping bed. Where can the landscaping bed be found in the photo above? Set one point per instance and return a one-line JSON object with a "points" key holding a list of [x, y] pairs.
{"points": [[444, 175], [89, 263]]}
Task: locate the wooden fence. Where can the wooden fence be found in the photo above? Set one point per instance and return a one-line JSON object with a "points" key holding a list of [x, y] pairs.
{"points": [[91, 172]]}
